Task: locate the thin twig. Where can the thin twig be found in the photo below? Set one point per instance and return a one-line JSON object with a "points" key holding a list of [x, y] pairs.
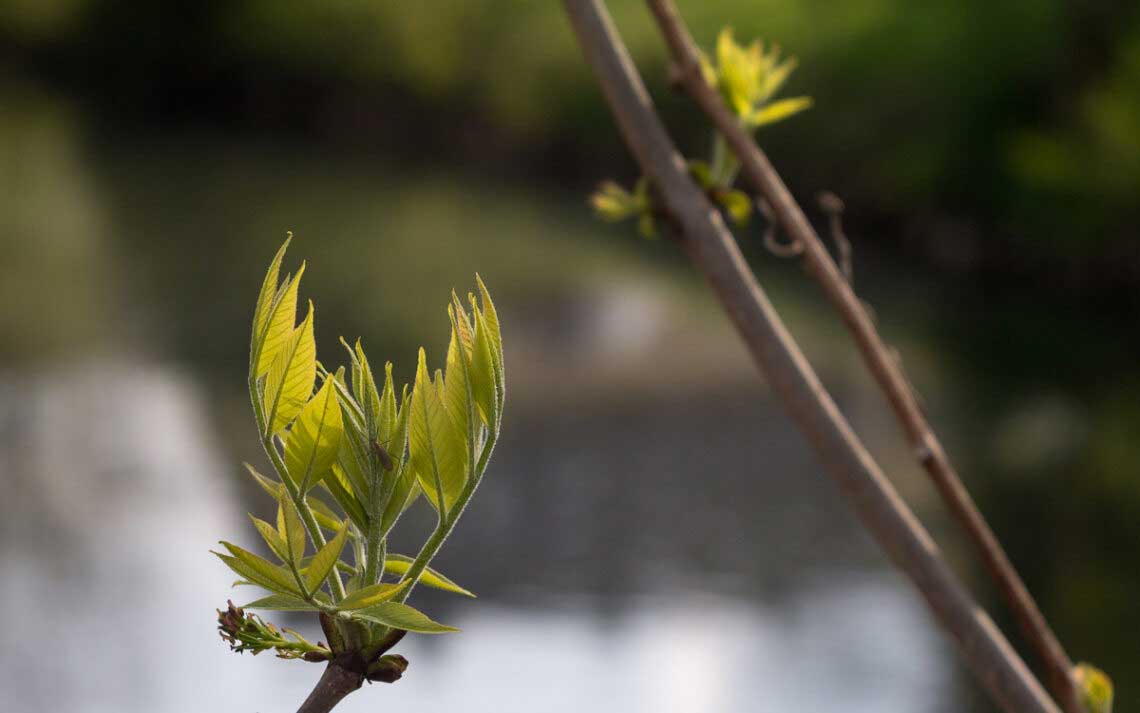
{"points": [[710, 246], [764, 178]]}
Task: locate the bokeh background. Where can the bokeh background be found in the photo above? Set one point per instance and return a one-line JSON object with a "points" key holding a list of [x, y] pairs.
{"points": [[653, 534]]}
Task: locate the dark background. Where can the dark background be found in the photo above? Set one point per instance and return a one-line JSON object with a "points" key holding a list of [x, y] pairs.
{"points": [[152, 156]]}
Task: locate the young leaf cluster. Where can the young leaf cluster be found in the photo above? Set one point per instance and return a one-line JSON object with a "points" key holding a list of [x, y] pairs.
{"points": [[351, 454], [748, 78]]}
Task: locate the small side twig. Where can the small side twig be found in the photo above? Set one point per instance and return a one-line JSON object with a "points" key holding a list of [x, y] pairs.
{"points": [[792, 248], [759, 171], [832, 206], [713, 251]]}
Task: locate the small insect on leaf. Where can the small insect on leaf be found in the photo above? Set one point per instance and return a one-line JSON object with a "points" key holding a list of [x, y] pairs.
{"points": [[382, 455]]}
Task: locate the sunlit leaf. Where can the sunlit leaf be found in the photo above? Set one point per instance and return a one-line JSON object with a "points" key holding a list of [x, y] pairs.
{"points": [[402, 616], [326, 558], [400, 564], [491, 318], [278, 327], [314, 439], [265, 304], [483, 375], [777, 110], [775, 78], [289, 383], [438, 449], [371, 595], [457, 392]]}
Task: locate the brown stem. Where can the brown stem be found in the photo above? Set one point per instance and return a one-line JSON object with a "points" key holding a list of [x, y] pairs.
{"points": [[887, 372], [336, 683], [711, 248]]}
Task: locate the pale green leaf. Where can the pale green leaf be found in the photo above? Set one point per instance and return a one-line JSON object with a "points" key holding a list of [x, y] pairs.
{"points": [[402, 616], [438, 448], [400, 564], [737, 204], [259, 571], [314, 439], [267, 484], [340, 489], [775, 78], [278, 326], [457, 391], [265, 304], [326, 558], [371, 595], [483, 375], [289, 383], [777, 111], [290, 527], [495, 338], [272, 538], [281, 602]]}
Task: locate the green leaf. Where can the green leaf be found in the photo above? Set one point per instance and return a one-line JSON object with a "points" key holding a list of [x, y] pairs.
{"points": [[775, 79], [405, 489], [278, 326], [265, 304], [289, 383], [458, 396], [647, 226], [281, 602], [491, 319], [371, 595], [777, 111], [701, 173], [324, 515], [289, 526], [267, 484], [258, 570], [369, 396], [400, 564], [438, 448], [325, 559], [272, 538], [402, 616], [737, 204], [1095, 687], [483, 375], [613, 203], [339, 488], [314, 439]]}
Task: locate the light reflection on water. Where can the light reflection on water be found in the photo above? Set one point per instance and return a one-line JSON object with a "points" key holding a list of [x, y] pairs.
{"points": [[115, 491]]}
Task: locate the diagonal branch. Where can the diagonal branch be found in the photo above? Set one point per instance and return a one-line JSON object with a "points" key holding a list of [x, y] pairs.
{"points": [[702, 233], [885, 369]]}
